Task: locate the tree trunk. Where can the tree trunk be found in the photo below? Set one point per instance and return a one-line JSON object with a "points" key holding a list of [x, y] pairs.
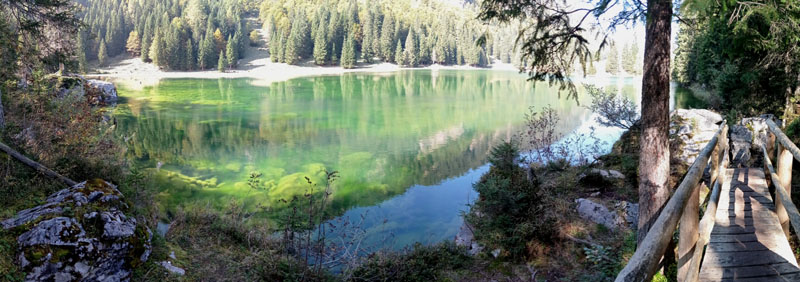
{"points": [[654, 143], [2, 117]]}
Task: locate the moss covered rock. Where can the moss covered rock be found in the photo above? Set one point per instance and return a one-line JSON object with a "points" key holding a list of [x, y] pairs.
{"points": [[80, 233]]}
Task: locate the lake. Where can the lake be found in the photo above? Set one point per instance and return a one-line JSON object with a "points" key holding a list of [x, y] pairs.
{"points": [[407, 145]]}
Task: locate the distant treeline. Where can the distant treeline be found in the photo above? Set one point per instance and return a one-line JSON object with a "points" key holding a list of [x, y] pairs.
{"points": [[339, 32], [206, 34], [174, 34]]}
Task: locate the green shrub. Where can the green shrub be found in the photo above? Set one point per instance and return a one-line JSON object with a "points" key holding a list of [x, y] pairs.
{"points": [[511, 210], [421, 263]]}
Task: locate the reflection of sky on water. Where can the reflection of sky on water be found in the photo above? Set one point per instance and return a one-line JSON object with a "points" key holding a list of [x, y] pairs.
{"points": [[425, 214]]}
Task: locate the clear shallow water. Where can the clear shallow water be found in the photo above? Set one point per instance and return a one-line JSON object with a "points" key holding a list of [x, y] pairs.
{"points": [[407, 145]]}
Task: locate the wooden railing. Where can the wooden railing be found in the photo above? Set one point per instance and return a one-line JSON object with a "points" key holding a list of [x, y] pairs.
{"points": [[683, 206], [781, 179]]}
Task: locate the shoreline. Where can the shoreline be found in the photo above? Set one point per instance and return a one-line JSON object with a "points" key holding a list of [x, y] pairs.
{"points": [[135, 73]]}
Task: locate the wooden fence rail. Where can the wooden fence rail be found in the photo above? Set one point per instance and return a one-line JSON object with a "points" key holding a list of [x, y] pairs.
{"points": [[684, 205]]}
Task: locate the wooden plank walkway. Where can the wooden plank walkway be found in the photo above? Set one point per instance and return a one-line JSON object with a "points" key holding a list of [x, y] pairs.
{"points": [[747, 242]]}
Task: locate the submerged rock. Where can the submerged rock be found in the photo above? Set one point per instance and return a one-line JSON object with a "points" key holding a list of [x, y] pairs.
{"points": [[80, 234]]}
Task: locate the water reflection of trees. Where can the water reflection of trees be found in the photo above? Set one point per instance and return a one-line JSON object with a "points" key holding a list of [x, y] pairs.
{"points": [[384, 133]]}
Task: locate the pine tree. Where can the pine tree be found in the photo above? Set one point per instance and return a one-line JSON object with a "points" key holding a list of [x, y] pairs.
{"points": [[221, 62], [155, 49], [206, 52], [81, 53], [411, 53], [399, 57], [102, 53], [349, 52], [321, 44], [132, 45], [274, 46], [189, 58], [387, 39], [612, 61], [366, 39], [145, 50], [232, 55]]}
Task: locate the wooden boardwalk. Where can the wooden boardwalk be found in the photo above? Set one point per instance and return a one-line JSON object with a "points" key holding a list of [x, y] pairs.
{"points": [[747, 242]]}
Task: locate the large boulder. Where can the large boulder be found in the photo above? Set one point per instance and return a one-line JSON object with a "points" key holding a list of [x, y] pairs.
{"points": [[690, 131], [80, 234], [598, 213], [101, 92]]}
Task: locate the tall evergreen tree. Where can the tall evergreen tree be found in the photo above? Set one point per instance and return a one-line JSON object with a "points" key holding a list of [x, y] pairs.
{"points": [[232, 55], [411, 53], [387, 39], [102, 53], [399, 57], [321, 43], [612, 60], [349, 52], [190, 57], [221, 62], [145, 50]]}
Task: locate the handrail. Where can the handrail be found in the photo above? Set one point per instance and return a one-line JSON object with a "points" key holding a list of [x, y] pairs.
{"points": [[783, 197], [707, 223], [644, 262], [785, 141]]}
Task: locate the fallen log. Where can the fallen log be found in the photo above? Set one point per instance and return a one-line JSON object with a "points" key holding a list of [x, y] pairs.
{"points": [[37, 166]]}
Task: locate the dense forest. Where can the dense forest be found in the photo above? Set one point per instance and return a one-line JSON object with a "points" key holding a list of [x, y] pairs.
{"points": [[176, 35], [738, 56], [199, 35]]}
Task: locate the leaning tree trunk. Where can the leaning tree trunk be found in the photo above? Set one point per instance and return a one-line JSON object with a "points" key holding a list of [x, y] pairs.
{"points": [[2, 117], [654, 143]]}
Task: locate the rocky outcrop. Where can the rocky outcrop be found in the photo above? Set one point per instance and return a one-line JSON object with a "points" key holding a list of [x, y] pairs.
{"points": [[600, 177], [690, 131], [80, 234], [100, 92], [623, 213], [466, 238]]}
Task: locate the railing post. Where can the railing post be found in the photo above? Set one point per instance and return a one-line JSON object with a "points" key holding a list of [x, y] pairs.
{"points": [[784, 171], [688, 232]]}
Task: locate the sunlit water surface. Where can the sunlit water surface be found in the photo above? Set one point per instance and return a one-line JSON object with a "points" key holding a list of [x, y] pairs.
{"points": [[407, 145]]}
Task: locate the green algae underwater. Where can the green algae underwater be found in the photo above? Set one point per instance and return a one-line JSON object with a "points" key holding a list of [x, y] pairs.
{"points": [[387, 134]]}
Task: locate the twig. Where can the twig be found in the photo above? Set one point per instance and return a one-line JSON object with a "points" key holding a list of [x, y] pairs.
{"points": [[44, 170]]}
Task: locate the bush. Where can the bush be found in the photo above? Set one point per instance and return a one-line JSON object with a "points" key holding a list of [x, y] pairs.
{"points": [[421, 263], [511, 210]]}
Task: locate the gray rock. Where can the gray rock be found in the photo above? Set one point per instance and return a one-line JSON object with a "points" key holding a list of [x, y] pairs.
{"points": [[690, 131], [171, 268], [630, 212], [101, 92], [466, 237], [741, 142], [598, 213], [100, 244], [600, 177], [496, 253], [747, 137]]}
